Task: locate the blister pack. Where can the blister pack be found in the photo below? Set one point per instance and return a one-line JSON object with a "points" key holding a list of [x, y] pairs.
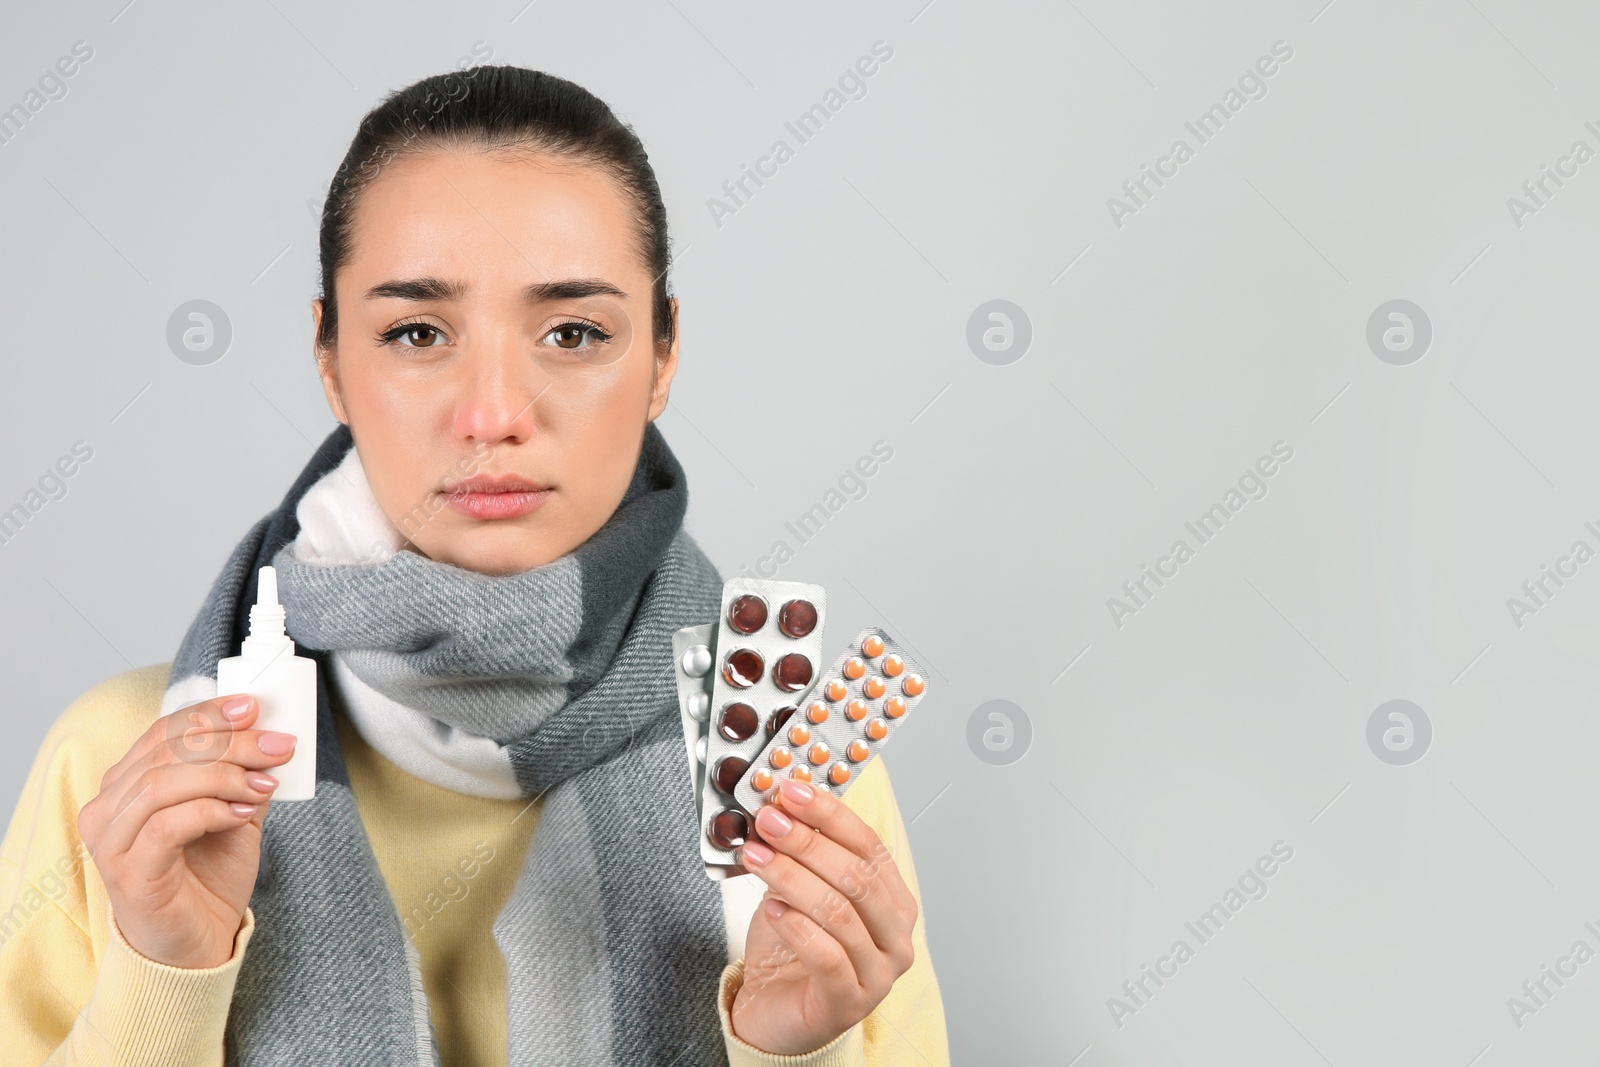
{"points": [[693, 649], [693, 655], [768, 646], [847, 718]]}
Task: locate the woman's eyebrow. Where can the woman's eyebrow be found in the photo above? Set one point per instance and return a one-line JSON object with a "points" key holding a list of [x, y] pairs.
{"points": [[571, 289], [418, 289], [437, 289]]}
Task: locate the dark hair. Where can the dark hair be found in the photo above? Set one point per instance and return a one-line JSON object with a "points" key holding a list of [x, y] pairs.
{"points": [[497, 107]]}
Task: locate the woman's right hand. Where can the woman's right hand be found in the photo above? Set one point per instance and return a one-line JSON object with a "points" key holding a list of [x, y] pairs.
{"points": [[176, 829]]}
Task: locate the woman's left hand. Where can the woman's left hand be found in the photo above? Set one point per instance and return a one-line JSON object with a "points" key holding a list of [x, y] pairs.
{"points": [[834, 931]]}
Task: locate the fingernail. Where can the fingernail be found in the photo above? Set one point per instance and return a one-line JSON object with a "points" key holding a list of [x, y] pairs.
{"points": [[773, 823], [261, 783], [276, 744], [796, 792], [236, 709], [755, 854], [774, 908], [244, 811]]}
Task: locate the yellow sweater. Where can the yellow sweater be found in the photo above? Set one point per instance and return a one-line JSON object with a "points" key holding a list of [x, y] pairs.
{"points": [[74, 992]]}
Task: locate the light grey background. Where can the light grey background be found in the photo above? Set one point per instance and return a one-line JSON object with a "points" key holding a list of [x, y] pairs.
{"points": [[831, 311]]}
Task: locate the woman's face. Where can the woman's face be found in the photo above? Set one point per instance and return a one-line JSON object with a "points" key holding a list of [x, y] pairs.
{"points": [[494, 357]]}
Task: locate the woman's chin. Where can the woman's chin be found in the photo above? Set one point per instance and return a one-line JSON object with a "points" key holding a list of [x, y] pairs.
{"points": [[497, 547]]}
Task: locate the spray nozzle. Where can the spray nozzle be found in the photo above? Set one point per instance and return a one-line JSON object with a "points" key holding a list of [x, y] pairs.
{"points": [[267, 637], [267, 587]]}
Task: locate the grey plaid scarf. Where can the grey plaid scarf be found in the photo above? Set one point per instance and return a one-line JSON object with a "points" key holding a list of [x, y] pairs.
{"points": [[614, 939]]}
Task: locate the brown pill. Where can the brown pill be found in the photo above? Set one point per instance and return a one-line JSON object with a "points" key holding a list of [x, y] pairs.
{"points": [[776, 720], [839, 773], [818, 754], [742, 668], [894, 707], [797, 618], [729, 829], [817, 713], [799, 734], [876, 730], [801, 773], [780, 757], [747, 613], [738, 722], [856, 710], [761, 780], [792, 673], [858, 751], [913, 685], [892, 665], [873, 688], [729, 770], [872, 647], [835, 690], [854, 667]]}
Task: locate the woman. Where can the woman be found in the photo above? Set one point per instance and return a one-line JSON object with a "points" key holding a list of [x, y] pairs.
{"points": [[487, 559]]}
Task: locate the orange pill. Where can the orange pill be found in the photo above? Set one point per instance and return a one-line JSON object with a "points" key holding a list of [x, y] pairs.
{"points": [[818, 754], [858, 751], [894, 707], [893, 664], [801, 774], [876, 730], [854, 667], [799, 734], [872, 647], [839, 773], [835, 690], [913, 685], [856, 710], [780, 757], [873, 688], [817, 713], [761, 780]]}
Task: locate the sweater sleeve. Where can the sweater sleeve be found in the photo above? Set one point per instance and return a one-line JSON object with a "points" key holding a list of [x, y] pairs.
{"points": [[908, 1027], [141, 1011], [73, 992]]}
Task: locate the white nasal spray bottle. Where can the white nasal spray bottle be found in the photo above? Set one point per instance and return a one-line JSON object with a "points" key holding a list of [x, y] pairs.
{"points": [[284, 685]]}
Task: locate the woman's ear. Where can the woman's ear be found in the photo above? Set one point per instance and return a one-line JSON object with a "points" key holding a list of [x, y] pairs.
{"points": [[666, 367], [327, 365]]}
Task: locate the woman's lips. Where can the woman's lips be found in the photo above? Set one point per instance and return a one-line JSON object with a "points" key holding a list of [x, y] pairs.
{"points": [[485, 499]]}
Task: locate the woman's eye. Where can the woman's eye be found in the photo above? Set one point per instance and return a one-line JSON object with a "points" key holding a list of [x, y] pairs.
{"points": [[418, 335], [576, 335]]}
